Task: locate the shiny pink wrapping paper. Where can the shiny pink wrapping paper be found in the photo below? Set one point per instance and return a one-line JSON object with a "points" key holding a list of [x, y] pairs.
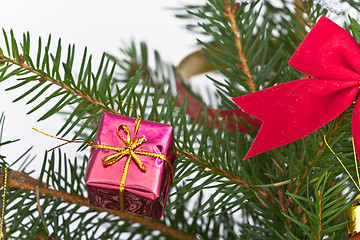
{"points": [[145, 192]]}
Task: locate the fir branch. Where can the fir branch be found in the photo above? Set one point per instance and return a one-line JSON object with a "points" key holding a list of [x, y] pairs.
{"points": [[299, 16], [231, 14], [284, 208], [319, 215], [308, 13], [286, 205], [26, 183], [222, 172], [277, 184], [323, 146], [41, 214], [5, 234], [61, 84], [44, 237], [301, 8]]}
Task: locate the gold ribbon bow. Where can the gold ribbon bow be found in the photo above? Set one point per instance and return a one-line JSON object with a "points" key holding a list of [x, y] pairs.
{"points": [[130, 145]]}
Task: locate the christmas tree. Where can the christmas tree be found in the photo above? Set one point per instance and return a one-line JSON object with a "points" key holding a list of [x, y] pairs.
{"points": [[292, 188]]}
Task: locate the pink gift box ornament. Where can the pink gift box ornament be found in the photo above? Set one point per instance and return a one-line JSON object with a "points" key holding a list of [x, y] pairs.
{"points": [[131, 165]]}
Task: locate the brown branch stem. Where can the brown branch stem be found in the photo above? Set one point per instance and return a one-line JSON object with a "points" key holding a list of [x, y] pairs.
{"points": [[284, 208], [301, 8], [323, 146], [26, 183], [319, 215], [231, 14]]}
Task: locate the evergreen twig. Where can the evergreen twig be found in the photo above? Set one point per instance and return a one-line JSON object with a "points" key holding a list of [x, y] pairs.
{"points": [[222, 172], [319, 215], [231, 14], [61, 84], [26, 183], [323, 146]]}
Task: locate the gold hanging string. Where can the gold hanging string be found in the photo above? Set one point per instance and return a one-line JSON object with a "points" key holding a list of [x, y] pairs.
{"points": [[130, 145], [78, 140], [357, 186], [3, 203]]}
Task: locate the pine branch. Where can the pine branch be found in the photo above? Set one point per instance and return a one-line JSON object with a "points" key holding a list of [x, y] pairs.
{"points": [[301, 8], [309, 15], [26, 183], [231, 14], [320, 209], [319, 215], [286, 203], [338, 121], [61, 84], [299, 16], [222, 172]]}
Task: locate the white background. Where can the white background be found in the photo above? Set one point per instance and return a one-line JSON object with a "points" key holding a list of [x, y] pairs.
{"points": [[99, 25]]}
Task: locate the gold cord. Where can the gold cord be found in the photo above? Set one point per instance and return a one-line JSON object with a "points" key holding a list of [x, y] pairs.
{"points": [[357, 186], [78, 140], [122, 183], [3, 203]]}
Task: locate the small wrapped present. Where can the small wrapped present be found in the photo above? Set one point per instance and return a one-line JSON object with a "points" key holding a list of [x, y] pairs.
{"points": [[131, 165]]}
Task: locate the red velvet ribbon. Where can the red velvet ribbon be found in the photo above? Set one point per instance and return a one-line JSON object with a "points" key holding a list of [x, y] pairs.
{"points": [[238, 120], [293, 110], [195, 64]]}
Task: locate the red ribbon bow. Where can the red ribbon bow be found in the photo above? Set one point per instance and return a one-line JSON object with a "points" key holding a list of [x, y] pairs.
{"points": [[290, 111]]}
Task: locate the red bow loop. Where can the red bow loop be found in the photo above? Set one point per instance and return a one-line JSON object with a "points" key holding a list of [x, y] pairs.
{"points": [[293, 110], [328, 52]]}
